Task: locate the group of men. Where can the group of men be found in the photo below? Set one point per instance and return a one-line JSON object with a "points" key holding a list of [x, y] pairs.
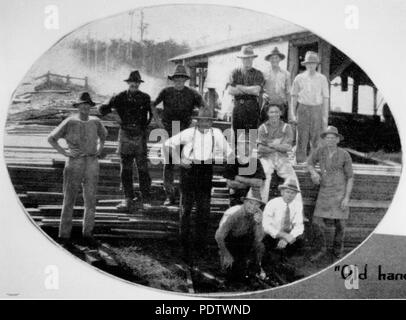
{"points": [[246, 226]]}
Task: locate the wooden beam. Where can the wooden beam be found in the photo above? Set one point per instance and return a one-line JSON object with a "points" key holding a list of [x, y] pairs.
{"points": [[344, 65], [293, 60], [355, 88]]}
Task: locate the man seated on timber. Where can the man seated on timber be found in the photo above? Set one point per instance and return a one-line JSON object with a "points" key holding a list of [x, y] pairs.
{"points": [[283, 220], [274, 142], [239, 238], [85, 137], [245, 173]]}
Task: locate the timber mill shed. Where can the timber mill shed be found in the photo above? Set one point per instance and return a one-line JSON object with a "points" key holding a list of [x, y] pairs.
{"points": [[211, 66]]}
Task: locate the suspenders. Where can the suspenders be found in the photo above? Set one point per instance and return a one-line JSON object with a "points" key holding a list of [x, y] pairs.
{"points": [[192, 151]]}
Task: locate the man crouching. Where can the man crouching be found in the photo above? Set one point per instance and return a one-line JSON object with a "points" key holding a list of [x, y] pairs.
{"points": [[283, 220], [239, 238]]}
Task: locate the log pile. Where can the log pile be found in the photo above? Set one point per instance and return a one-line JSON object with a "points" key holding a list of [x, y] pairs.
{"points": [[36, 173]]}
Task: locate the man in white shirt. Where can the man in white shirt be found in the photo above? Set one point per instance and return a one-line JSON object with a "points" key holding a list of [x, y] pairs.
{"points": [[283, 220], [309, 106], [200, 145]]}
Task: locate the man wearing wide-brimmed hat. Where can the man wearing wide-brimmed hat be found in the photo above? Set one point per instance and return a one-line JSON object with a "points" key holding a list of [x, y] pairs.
{"points": [[134, 109], [239, 238], [277, 85], [309, 106], [283, 219], [245, 173], [85, 137], [179, 102], [245, 85], [197, 158], [336, 181]]}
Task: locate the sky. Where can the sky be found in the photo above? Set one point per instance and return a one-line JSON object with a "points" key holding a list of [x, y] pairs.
{"points": [[183, 23]]}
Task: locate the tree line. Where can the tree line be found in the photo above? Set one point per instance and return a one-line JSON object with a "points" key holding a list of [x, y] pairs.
{"points": [[148, 55]]}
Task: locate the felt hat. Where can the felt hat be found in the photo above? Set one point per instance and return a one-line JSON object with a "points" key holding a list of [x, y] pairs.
{"points": [[275, 52], [134, 77], [253, 198], [180, 72], [331, 130], [311, 57], [205, 113], [247, 52], [289, 184], [84, 98]]}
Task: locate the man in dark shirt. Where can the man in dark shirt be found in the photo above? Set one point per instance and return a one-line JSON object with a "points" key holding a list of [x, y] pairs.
{"points": [[245, 174], [134, 108], [179, 102], [245, 85]]}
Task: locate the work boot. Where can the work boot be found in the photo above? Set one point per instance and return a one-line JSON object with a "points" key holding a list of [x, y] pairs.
{"points": [[126, 205]]}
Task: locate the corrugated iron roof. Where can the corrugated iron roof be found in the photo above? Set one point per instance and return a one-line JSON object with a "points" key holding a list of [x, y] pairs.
{"points": [[237, 42]]}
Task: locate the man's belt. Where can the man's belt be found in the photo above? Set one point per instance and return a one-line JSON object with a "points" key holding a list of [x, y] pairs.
{"points": [[246, 98], [133, 129]]}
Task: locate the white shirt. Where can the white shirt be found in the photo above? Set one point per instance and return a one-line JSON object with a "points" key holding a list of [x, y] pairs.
{"points": [[310, 90], [277, 85], [274, 214], [199, 146]]}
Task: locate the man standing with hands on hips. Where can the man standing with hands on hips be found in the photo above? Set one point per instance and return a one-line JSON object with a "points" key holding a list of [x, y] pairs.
{"points": [[200, 143], [310, 106], [179, 102], [134, 108], [85, 137]]}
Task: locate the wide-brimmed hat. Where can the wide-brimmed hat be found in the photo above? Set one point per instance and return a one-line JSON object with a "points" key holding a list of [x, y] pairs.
{"points": [[180, 72], [205, 113], [134, 77], [289, 184], [331, 130], [275, 52], [311, 57], [84, 98], [253, 198], [247, 52]]}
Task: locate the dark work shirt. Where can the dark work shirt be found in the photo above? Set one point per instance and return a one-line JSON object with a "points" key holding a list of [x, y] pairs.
{"points": [[233, 170], [133, 108], [251, 77], [178, 104]]}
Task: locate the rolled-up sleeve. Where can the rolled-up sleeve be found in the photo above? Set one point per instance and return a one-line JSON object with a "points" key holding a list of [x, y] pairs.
{"points": [[348, 171], [222, 143], [295, 87], [268, 220], [60, 131], [101, 131]]}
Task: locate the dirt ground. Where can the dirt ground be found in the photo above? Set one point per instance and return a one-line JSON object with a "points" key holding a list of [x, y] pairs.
{"points": [[158, 264]]}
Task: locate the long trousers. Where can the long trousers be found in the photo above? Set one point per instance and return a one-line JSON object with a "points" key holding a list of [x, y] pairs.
{"points": [[283, 169], [245, 117], [339, 233], [168, 175], [195, 184], [134, 149], [309, 127], [82, 171]]}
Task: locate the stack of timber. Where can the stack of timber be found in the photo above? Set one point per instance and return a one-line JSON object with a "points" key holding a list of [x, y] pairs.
{"points": [[36, 173]]}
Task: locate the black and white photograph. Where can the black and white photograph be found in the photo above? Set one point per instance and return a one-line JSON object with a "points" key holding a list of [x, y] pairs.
{"points": [[202, 149]]}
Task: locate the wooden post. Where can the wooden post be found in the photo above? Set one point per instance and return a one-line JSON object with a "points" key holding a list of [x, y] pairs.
{"points": [[375, 100], [68, 79], [355, 96], [324, 55], [192, 81], [86, 83], [293, 60], [212, 100]]}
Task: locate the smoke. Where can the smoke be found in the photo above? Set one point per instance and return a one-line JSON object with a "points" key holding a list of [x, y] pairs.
{"points": [[106, 79]]}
